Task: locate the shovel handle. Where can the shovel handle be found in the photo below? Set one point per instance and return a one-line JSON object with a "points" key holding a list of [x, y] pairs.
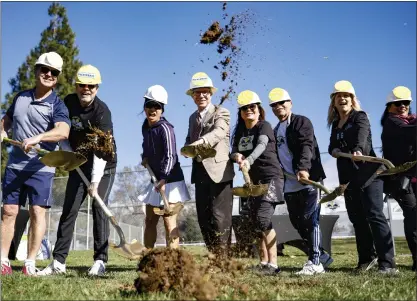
{"points": [[246, 176], [310, 182], [386, 162], [17, 143], [155, 181]]}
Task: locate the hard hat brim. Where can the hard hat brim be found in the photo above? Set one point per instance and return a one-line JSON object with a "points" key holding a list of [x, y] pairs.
{"points": [[48, 65], [190, 91], [401, 99]]}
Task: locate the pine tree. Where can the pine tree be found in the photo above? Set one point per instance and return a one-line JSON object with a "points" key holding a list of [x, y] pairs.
{"points": [[60, 38]]}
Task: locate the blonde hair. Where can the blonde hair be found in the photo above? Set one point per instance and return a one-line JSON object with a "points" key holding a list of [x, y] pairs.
{"points": [[332, 113]]}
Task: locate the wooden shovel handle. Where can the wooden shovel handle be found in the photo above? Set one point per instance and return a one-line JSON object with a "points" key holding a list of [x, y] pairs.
{"points": [[155, 181], [386, 162], [310, 182], [246, 176], [17, 143]]}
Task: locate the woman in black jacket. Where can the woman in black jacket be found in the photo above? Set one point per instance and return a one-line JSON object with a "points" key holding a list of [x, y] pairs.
{"points": [[399, 146], [351, 134]]}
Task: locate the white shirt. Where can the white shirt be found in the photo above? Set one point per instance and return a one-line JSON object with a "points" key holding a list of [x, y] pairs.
{"points": [[285, 157]]}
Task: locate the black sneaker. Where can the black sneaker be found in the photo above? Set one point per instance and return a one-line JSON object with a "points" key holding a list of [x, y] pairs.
{"points": [[388, 271], [364, 267], [259, 267], [326, 260], [270, 270], [413, 268]]}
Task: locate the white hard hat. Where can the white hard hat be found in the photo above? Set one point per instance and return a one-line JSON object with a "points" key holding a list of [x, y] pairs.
{"points": [[278, 94], [157, 93], [247, 97], [51, 59], [343, 86], [200, 80], [398, 94]]}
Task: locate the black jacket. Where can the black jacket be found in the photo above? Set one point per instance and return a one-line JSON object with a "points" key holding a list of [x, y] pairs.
{"points": [[399, 142], [303, 146], [355, 135]]}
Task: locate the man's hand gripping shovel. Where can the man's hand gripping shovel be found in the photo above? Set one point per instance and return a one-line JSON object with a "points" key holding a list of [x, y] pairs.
{"points": [[389, 169], [330, 195], [166, 210], [249, 189], [65, 159]]}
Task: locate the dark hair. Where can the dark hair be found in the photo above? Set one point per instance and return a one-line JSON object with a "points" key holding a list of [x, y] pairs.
{"points": [[386, 113], [240, 123]]}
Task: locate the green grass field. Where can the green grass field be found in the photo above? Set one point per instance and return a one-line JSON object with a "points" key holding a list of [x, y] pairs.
{"points": [[339, 283]]}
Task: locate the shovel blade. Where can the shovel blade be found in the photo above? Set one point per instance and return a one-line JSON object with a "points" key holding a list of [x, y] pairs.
{"points": [[250, 190], [173, 209], [334, 194], [200, 150], [398, 169], [129, 251], [64, 159]]}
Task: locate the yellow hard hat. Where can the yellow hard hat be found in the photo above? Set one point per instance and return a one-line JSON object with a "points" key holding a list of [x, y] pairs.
{"points": [[398, 94], [278, 94], [88, 74], [343, 86], [200, 80], [247, 97]]}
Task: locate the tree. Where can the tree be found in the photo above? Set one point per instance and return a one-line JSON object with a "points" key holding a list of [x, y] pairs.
{"points": [[58, 37]]}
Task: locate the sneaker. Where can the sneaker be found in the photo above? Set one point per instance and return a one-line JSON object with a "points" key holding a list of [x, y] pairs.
{"points": [[54, 268], [270, 270], [98, 269], [311, 269], [6, 269], [259, 267], [388, 271], [326, 260], [30, 270], [364, 267], [413, 268]]}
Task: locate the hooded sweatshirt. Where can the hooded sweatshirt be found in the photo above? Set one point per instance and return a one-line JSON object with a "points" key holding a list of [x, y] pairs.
{"points": [[159, 146]]}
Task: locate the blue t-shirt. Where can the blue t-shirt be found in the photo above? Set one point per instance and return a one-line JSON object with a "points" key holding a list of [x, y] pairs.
{"points": [[31, 118]]}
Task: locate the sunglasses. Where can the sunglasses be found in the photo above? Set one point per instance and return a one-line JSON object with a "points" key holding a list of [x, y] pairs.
{"points": [[252, 107], [406, 103], [45, 70], [153, 105], [82, 86], [273, 105]]}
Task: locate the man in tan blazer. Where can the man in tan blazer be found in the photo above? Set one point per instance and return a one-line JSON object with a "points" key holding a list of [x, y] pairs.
{"points": [[213, 177]]}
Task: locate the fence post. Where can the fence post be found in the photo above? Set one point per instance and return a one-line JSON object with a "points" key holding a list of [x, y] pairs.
{"points": [[74, 237], [49, 222], [88, 220], [130, 238], [387, 199]]}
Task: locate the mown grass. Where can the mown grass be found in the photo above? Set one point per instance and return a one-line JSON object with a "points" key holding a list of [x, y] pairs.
{"points": [[339, 283]]}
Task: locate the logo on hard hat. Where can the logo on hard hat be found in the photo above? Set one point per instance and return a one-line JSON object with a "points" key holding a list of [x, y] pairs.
{"points": [[86, 74]]}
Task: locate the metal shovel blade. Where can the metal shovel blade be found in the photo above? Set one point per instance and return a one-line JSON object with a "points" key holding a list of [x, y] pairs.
{"points": [[398, 169], [129, 251], [250, 190], [202, 150], [334, 194], [174, 209], [64, 159]]}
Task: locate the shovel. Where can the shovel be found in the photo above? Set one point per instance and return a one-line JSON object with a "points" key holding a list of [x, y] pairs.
{"points": [[67, 160], [249, 189], [131, 251], [330, 196], [203, 151], [166, 210], [391, 168]]}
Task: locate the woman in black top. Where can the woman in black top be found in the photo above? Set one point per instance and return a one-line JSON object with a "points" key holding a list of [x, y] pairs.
{"points": [[351, 134], [253, 147], [399, 146]]}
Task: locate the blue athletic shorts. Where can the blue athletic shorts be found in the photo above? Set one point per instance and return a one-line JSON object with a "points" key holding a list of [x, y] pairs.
{"points": [[19, 185]]}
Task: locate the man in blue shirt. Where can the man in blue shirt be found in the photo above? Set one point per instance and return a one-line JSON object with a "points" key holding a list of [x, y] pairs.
{"points": [[37, 117]]}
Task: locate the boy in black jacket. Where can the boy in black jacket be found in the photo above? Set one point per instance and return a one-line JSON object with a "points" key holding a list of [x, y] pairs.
{"points": [[299, 154]]}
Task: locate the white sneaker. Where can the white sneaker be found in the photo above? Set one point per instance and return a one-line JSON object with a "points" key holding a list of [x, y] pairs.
{"points": [[311, 269], [98, 269], [54, 268]]}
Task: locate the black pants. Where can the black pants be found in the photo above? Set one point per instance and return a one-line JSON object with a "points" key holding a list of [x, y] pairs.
{"points": [[304, 214], [75, 194], [407, 201], [365, 211], [214, 204]]}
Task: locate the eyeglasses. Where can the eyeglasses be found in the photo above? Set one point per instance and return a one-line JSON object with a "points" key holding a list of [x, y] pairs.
{"points": [[82, 86], [252, 107], [402, 102], [201, 92], [153, 105], [45, 70], [281, 103]]}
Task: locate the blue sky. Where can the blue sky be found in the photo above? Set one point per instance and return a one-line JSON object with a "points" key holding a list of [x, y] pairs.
{"points": [[303, 47]]}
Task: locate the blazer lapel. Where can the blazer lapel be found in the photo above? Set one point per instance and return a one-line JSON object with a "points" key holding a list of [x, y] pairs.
{"points": [[209, 115]]}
